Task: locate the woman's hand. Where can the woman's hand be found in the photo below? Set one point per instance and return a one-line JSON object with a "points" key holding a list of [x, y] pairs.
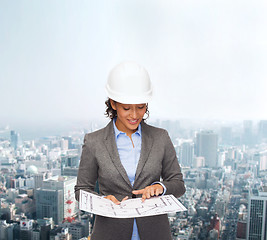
{"points": [[115, 200], [150, 191]]}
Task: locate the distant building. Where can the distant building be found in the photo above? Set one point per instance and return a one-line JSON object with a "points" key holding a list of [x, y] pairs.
{"points": [[3, 229], [49, 203], [262, 130], [206, 146], [226, 135], [247, 137], [69, 139], [38, 180], [198, 162], [263, 161], [66, 184], [26, 227], [63, 235], [186, 153], [77, 230], [36, 234], [215, 225], [69, 171], [64, 144], [70, 160], [257, 217], [241, 229], [14, 139]]}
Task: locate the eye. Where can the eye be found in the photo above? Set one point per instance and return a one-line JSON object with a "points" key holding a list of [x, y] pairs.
{"points": [[141, 107], [126, 109]]}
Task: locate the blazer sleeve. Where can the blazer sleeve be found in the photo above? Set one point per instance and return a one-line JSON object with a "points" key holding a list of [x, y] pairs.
{"points": [[88, 169], [171, 171]]}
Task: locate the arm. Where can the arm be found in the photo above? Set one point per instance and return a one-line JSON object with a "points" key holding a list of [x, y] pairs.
{"points": [[88, 170], [171, 174]]}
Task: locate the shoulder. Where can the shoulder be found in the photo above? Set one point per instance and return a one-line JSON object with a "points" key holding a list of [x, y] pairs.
{"points": [[98, 135]]}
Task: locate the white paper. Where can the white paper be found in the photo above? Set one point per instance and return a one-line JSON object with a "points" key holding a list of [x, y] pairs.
{"points": [[131, 208]]}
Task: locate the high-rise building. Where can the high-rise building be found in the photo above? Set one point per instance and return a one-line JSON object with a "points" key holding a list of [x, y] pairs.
{"points": [[49, 203], [26, 227], [257, 217], [70, 160], [226, 135], [66, 184], [14, 139], [38, 179], [64, 144], [206, 146], [186, 153], [70, 145], [247, 137], [263, 161], [262, 131], [198, 162]]}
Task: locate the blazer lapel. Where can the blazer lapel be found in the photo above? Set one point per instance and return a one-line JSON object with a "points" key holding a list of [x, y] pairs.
{"points": [[110, 143], [147, 142]]}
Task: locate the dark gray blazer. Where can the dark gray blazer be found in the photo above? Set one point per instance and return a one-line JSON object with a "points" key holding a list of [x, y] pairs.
{"points": [[100, 161]]}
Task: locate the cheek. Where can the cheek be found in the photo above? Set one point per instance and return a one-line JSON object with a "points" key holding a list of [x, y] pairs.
{"points": [[122, 114], [142, 113]]}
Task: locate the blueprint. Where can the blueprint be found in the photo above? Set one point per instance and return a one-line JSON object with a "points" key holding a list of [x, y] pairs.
{"points": [[131, 208]]}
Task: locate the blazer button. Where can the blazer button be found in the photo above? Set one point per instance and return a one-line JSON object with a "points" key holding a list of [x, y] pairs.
{"points": [[133, 196]]}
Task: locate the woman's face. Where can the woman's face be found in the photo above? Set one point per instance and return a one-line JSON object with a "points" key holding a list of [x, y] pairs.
{"points": [[129, 116]]}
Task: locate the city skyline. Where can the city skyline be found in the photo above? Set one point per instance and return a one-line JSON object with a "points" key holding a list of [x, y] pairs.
{"points": [[206, 59], [222, 196]]}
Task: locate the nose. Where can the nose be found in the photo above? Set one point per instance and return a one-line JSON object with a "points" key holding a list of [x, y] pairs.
{"points": [[134, 113]]}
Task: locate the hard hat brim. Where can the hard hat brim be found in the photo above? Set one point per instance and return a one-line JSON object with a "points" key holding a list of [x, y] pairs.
{"points": [[128, 99]]}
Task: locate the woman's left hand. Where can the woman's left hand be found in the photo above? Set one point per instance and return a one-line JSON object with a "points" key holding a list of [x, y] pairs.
{"points": [[150, 191]]}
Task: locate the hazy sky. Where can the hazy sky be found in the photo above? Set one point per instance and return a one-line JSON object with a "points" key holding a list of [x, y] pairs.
{"points": [[207, 59]]}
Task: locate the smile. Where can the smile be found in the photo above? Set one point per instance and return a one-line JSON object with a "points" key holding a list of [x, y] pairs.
{"points": [[133, 121]]}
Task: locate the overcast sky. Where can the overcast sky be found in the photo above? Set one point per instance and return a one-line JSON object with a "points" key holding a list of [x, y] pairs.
{"points": [[207, 59]]}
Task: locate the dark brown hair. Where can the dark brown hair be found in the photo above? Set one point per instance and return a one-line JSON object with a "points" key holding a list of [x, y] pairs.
{"points": [[111, 113]]}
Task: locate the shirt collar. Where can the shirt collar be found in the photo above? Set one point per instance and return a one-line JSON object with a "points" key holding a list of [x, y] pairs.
{"points": [[118, 132]]}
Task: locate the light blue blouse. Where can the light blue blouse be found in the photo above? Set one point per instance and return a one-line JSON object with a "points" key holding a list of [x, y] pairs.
{"points": [[129, 157]]}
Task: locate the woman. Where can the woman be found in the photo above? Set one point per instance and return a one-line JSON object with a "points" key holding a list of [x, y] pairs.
{"points": [[129, 158]]}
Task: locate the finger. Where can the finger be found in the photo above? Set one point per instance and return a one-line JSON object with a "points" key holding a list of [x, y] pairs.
{"points": [[136, 192], [149, 192], [125, 198], [158, 189], [153, 191], [113, 199], [146, 194]]}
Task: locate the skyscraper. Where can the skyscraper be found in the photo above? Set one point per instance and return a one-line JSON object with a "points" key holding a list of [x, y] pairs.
{"points": [[206, 146], [257, 217], [14, 139], [226, 135], [186, 153], [262, 130], [49, 203], [247, 137], [66, 184]]}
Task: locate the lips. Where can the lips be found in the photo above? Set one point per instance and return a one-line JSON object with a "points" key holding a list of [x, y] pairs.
{"points": [[133, 122]]}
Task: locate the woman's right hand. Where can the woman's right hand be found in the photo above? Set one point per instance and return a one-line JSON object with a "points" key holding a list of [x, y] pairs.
{"points": [[115, 200]]}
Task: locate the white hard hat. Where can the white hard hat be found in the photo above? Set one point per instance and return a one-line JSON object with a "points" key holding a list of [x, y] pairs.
{"points": [[129, 83]]}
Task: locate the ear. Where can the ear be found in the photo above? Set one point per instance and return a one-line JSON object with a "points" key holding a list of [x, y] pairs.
{"points": [[113, 104]]}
